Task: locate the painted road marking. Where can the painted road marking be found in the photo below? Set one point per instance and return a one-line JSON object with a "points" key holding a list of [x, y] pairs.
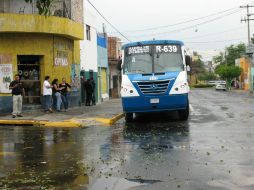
{"points": [[191, 108]]}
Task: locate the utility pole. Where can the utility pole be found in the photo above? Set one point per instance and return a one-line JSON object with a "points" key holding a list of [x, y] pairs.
{"points": [[249, 42], [248, 20]]}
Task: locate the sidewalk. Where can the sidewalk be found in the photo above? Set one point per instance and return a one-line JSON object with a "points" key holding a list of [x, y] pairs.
{"points": [[106, 113], [241, 92]]}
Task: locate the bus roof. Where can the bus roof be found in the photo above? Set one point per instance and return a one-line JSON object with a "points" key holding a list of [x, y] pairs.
{"points": [[152, 42]]}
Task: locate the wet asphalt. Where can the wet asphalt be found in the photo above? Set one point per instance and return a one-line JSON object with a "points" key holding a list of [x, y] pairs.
{"points": [[214, 149]]}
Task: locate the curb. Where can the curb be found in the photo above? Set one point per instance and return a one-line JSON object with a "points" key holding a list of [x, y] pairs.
{"points": [[21, 122], [71, 123], [113, 120], [62, 124]]}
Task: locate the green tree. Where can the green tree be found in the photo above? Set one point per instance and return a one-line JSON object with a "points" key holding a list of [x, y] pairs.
{"points": [[228, 73], [43, 6], [197, 68], [219, 58], [207, 76], [233, 52]]}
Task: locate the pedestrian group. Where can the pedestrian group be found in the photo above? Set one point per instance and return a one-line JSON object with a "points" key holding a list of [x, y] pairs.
{"points": [[59, 93]]}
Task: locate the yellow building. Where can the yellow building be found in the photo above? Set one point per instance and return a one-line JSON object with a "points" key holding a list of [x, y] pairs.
{"points": [[244, 78], [34, 46]]}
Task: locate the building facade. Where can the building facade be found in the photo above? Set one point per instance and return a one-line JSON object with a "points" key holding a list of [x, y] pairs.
{"points": [[246, 79], [103, 72], [88, 51], [34, 46], [114, 59]]}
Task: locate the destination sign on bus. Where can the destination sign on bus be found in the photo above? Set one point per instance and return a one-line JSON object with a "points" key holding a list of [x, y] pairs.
{"points": [[138, 50], [167, 49]]}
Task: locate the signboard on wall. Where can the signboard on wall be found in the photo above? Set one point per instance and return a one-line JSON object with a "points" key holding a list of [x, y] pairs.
{"points": [[61, 59], [6, 77]]}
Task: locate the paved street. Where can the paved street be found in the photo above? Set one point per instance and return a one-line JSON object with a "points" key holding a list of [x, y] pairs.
{"points": [[213, 150]]}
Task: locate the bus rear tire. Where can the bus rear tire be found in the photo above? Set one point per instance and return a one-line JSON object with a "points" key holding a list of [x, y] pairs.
{"points": [[128, 117], [184, 114]]}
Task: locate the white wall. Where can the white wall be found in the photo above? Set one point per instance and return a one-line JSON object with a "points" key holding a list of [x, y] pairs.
{"points": [[15, 6], [88, 49]]}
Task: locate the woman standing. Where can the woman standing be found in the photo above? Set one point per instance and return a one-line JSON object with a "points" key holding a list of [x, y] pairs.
{"points": [[57, 99], [47, 95], [65, 93]]}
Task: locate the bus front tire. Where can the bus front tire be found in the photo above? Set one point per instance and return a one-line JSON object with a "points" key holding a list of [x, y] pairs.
{"points": [[184, 114], [128, 117]]}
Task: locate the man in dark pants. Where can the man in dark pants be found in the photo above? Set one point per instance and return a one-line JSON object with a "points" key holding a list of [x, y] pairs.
{"points": [[93, 90], [17, 92], [89, 92]]}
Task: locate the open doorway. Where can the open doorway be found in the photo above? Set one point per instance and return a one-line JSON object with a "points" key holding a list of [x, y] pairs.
{"points": [[29, 72]]}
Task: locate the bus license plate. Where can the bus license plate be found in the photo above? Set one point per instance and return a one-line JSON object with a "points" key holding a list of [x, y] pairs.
{"points": [[155, 101]]}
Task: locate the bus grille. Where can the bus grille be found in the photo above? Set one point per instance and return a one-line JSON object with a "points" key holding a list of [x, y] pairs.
{"points": [[153, 87]]}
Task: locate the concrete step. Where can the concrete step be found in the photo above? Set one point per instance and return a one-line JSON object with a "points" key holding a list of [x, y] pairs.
{"points": [[31, 107]]}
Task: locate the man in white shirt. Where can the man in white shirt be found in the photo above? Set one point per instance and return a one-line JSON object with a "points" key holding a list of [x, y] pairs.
{"points": [[47, 95]]}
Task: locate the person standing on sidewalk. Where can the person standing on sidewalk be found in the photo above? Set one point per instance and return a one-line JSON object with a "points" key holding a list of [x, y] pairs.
{"points": [[93, 90], [47, 95], [89, 92], [57, 97], [17, 92], [65, 93]]}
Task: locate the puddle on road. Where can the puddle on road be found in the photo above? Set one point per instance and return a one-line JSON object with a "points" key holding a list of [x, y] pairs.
{"points": [[114, 183], [230, 115], [44, 180], [224, 108]]}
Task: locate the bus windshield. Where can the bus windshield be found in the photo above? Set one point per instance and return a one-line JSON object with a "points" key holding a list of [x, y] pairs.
{"points": [[153, 58], [168, 62], [138, 64]]}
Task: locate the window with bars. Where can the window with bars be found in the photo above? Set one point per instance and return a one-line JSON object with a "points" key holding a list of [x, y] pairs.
{"points": [[88, 32]]}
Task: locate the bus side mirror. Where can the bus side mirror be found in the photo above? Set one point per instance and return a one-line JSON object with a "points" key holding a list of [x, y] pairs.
{"points": [[187, 60]]}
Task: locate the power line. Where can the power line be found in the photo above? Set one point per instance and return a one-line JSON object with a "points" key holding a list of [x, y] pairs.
{"points": [[189, 27], [217, 33], [219, 41], [183, 22], [108, 21]]}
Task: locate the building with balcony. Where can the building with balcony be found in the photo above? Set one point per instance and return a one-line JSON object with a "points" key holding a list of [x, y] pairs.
{"points": [[34, 46]]}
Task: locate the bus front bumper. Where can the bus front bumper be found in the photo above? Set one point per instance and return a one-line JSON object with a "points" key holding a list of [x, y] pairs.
{"points": [[155, 104]]}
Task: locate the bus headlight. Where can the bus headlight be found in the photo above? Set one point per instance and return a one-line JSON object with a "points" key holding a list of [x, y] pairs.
{"points": [[128, 90], [181, 85], [180, 88]]}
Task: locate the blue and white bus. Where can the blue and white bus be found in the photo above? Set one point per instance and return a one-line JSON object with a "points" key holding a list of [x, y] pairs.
{"points": [[154, 78]]}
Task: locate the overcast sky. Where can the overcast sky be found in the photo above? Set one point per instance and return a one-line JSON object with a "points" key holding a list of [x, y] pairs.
{"points": [[216, 22]]}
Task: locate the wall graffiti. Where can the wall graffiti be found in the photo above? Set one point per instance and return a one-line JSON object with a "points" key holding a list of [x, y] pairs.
{"points": [[6, 77], [5, 72], [75, 77]]}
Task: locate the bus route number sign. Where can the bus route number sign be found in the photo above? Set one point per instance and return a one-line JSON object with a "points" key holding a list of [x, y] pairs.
{"points": [[138, 50], [167, 49]]}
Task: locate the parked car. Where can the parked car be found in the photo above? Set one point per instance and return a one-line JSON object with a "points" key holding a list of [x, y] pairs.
{"points": [[220, 87]]}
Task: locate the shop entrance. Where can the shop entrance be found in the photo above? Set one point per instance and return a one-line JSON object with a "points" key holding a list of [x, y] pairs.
{"points": [[29, 72]]}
